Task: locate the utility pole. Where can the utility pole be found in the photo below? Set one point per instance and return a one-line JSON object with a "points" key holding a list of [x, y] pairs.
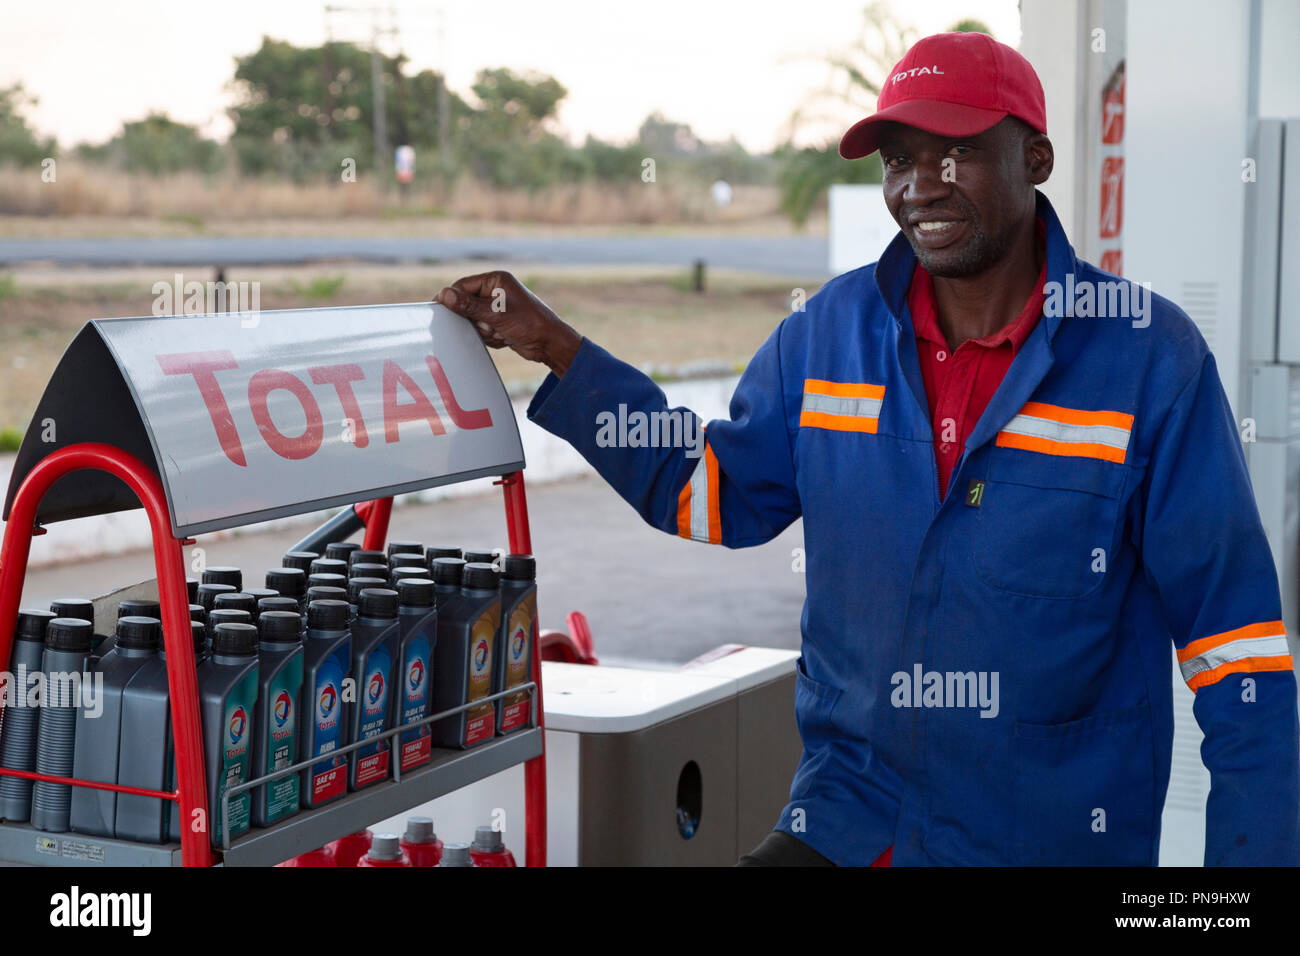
{"points": [[379, 117]]}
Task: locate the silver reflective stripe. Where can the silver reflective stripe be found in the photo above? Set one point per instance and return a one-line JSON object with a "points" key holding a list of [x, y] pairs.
{"points": [[834, 405], [700, 501], [1059, 431], [1274, 646]]}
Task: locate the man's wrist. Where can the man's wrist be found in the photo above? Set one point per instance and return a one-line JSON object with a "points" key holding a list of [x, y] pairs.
{"points": [[562, 350]]}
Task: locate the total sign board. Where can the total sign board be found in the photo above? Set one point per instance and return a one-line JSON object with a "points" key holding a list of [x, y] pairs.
{"points": [[310, 408]]}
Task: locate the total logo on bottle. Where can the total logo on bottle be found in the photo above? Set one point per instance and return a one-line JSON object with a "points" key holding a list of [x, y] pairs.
{"points": [[415, 681], [518, 641], [282, 716], [327, 707], [482, 656], [236, 744], [375, 695]]}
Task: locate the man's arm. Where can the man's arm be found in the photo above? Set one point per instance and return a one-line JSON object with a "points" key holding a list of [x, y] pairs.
{"points": [[732, 484], [1204, 548]]}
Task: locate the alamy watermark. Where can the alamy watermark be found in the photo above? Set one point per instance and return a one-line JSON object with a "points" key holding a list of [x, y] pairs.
{"points": [[38, 688], [922, 688], [1107, 299], [674, 428]]}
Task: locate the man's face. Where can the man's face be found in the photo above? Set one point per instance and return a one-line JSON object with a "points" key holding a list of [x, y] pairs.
{"points": [[960, 217]]}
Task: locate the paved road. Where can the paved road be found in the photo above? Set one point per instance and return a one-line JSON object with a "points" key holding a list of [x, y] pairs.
{"points": [[648, 596], [778, 255]]}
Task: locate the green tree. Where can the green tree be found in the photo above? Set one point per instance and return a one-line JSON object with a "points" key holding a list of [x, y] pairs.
{"points": [[157, 144], [18, 143]]}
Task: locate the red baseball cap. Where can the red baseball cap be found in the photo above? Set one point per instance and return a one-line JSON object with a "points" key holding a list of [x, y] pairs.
{"points": [[952, 84]]}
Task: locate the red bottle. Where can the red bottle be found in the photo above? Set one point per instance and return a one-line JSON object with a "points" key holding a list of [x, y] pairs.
{"points": [[420, 844], [489, 850], [347, 850], [385, 850], [322, 857]]}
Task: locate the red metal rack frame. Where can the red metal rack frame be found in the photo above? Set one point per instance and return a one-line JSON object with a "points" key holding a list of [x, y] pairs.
{"points": [[169, 564]]}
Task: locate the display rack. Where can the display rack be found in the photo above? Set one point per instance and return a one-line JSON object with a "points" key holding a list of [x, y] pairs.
{"points": [[149, 454]]}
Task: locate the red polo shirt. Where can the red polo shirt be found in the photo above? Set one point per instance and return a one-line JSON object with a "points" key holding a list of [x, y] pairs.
{"points": [[960, 383]]}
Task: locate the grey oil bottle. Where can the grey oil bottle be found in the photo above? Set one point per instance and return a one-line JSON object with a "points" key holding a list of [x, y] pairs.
{"points": [[323, 716], [375, 639], [468, 630], [99, 738], [513, 656], [18, 727], [279, 692], [227, 704], [418, 628], [67, 647]]}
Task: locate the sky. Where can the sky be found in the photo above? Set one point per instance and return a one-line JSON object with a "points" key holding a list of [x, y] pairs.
{"points": [[729, 68]]}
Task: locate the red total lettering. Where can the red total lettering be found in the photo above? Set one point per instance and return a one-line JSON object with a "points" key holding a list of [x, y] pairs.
{"points": [[421, 409], [296, 447], [204, 366], [473, 418], [342, 377]]}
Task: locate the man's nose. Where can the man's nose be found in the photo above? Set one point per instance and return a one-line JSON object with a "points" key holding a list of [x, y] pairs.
{"points": [[926, 184]]}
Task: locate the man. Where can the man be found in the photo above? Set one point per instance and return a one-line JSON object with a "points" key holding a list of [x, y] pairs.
{"points": [[1011, 507]]}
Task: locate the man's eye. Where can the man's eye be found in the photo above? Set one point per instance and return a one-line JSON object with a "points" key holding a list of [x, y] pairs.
{"points": [[961, 149], [893, 162]]}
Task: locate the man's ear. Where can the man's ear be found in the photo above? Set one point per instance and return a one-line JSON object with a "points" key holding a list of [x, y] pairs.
{"points": [[1039, 158]]}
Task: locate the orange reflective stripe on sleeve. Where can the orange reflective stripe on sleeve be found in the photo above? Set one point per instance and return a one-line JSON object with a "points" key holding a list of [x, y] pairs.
{"points": [[698, 515], [1253, 648]]}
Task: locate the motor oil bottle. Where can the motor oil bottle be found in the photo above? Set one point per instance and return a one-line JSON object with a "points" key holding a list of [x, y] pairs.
{"points": [[489, 849], [67, 648], [208, 594], [289, 582], [420, 844], [299, 559], [340, 549], [456, 854], [418, 629], [374, 651], [279, 690], [98, 738], [227, 701], [347, 850], [514, 652], [224, 575], [385, 850], [225, 615], [323, 727], [462, 670], [173, 830], [21, 710]]}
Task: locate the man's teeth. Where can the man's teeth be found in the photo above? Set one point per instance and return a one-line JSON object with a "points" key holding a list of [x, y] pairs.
{"points": [[935, 226]]}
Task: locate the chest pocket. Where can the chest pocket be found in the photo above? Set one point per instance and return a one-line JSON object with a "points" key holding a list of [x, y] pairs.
{"points": [[1049, 519]]}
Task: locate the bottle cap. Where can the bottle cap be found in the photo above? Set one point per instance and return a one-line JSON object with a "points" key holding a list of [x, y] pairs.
{"points": [[377, 602], [327, 580], [277, 604], [208, 593], [419, 830], [326, 614], [240, 600], [290, 582], [199, 632], [431, 552], [329, 566], [368, 569], [198, 613], [136, 608], [227, 615], [260, 593], [299, 559], [192, 589], [480, 557], [447, 572], [32, 623], [385, 846], [404, 547], [456, 854], [325, 593], [279, 627], [340, 549], [139, 631], [357, 585], [368, 557], [409, 571], [415, 592], [234, 640], [488, 840], [480, 576], [520, 567], [224, 575], [68, 634], [79, 608]]}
